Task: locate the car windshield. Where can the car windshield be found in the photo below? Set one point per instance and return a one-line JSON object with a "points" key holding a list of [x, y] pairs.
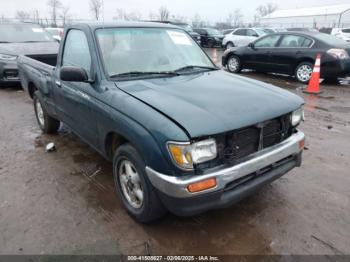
{"points": [[261, 32], [331, 40], [132, 50], [213, 31], [19, 33], [268, 30]]}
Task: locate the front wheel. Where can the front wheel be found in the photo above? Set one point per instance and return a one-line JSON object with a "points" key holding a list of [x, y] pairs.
{"points": [[234, 64], [136, 192], [303, 72], [46, 123]]}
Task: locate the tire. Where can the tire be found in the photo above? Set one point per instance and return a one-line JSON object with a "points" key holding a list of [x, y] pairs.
{"points": [[229, 45], [46, 123], [143, 209], [303, 72], [233, 64]]}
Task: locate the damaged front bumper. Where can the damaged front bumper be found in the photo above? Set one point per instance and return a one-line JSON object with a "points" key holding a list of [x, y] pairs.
{"points": [[233, 183]]}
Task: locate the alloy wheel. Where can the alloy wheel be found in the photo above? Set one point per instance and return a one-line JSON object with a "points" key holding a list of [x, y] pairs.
{"points": [[130, 183]]}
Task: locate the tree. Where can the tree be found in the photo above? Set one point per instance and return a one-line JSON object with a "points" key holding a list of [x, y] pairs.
{"points": [[54, 6], [121, 14], [197, 21], [65, 15], [163, 13], [23, 16], [95, 8], [237, 17], [267, 9]]}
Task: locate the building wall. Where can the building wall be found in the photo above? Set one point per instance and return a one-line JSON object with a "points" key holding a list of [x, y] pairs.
{"points": [[308, 21]]}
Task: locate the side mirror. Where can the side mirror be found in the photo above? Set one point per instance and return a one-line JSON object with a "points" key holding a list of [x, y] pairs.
{"points": [[251, 45], [73, 74], [255, 35]]}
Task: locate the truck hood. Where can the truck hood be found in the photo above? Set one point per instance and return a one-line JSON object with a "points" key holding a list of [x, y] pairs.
{"points": [[37, 48], [212, 102]]}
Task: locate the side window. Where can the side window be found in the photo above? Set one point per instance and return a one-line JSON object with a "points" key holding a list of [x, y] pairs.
{"points": [[295, 41], [76, 50], [240, 32], [251, 32], [268, 41]]}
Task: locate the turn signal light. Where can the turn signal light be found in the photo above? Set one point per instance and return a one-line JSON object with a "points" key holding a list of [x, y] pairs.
{"points": [[302, 144], [202, 185]]}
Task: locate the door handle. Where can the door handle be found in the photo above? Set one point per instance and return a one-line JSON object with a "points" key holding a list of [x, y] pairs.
{"points": [[58, 83]]}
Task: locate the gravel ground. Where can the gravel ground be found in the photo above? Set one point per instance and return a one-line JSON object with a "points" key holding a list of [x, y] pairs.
{"points": [[64, 202]]}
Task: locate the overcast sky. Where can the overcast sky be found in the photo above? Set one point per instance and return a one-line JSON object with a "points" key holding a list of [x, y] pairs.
{"points": [[210, 10]]}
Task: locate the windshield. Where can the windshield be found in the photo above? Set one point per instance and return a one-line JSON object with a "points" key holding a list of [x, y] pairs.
{"points": [[261, 32], [212, 31], [127, 50], [18, 33], [331, 40]]}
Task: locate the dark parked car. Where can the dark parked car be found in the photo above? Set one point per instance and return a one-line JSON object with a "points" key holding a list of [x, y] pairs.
{"points": [[292, 53], [182, 134], [210, 37], [23, 39]]}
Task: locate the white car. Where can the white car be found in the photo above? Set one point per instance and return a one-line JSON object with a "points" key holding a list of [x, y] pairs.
{"points": [[242, 37], [343, 33], [56, 33]]}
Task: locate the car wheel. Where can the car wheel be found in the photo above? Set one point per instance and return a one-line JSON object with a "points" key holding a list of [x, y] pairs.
{"points": [[229, 45], [303, 72], [138, 195], [234, 64], [46, 123]]}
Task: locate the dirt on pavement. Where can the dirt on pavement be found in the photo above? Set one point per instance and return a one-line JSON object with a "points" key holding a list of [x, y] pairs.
{"points": [[64, 202]]}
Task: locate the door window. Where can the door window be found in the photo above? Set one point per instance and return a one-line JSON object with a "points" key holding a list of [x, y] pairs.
{"points": [[251, 32], [76, 51], [294, 41], [267, 42], [240, 32]]}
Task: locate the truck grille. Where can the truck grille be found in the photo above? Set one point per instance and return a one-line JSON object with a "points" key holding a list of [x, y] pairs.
{"points": [[241, 143]]}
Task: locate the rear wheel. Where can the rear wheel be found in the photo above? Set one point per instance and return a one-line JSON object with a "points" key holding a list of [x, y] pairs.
{"points": [[46, 123], [303, 72], [138, 195], [234, 64], [229, 45]]}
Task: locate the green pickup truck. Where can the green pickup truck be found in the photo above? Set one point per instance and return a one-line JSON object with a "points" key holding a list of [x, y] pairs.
{"points": [[182, 134]]}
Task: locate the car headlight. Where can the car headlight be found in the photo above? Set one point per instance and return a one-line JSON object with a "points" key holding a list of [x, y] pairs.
{"points": [[297, 116], [185, 155], [338, 53], [7, 57]]}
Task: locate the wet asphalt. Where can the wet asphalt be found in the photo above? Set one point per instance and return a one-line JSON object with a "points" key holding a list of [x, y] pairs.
{"points": [[64, 202]]}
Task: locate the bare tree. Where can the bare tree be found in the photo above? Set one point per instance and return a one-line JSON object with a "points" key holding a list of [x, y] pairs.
{"points": [[121, 14], [237, 17], [65, 15], [267, 9], [164, 13], [54, 6], [197, 21], [22, 16], [152, 16], [96, 8]]}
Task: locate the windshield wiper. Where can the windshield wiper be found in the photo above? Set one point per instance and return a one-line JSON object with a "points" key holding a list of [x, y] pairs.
{"points": [[191, 67], [141, 73]]}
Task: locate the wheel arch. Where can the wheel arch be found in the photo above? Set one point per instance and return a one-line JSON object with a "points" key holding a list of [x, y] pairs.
{"points": [[302, 60]]}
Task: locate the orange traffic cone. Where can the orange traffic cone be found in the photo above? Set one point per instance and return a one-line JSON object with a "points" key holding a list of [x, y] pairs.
{"points": [[314, 83]]}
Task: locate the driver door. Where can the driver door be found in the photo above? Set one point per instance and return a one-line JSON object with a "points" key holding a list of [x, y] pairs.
{"points": [[259, 55]]}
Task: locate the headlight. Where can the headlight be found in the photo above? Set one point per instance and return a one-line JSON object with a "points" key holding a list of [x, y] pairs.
{"points": [[338, 53], [7, 57], [297, 116], [185, 154]]}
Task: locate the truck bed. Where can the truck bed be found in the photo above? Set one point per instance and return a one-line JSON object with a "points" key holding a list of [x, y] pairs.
{"points": [[35, 71]]}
